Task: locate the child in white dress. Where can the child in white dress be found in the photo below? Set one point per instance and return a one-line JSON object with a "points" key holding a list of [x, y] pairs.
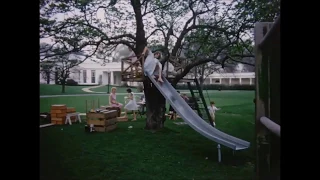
{"points": [[132, 105], [212, 109], [152, 65]]}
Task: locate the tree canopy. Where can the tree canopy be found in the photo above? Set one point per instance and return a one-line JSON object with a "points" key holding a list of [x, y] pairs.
{"points": [[218, 31]]}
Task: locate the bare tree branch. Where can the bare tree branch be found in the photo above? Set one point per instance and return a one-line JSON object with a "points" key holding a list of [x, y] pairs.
{"points": [[156, 9]]}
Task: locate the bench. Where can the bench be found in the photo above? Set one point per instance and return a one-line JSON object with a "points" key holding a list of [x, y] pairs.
{"points": [[76, 114]]}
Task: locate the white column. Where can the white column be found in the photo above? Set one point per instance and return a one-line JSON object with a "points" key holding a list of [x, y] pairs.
{"points": [[210, 80], [250, 81], [230, 80], [220, 80], [240, 81], [81, 76], [111, 77]]}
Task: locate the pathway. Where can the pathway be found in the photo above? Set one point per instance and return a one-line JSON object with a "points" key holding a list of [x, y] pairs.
{"points": [[87, 89]]}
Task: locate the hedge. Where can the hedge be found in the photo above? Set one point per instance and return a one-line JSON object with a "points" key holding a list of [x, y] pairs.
{"points": [[219, 87]]}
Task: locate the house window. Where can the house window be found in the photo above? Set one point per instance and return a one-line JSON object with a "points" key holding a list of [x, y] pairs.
{"points": [[217, 81], [84, 76], [93, 76]]}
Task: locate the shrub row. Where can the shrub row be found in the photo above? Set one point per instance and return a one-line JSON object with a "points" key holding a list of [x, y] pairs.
{"points": [[219, 87]]}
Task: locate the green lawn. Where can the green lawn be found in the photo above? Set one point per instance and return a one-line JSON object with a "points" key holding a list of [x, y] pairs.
{"points": [[119, 89], [177, 152], [53, 89]]}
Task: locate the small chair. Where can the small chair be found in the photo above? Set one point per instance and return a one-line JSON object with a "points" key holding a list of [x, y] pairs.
{"points": [[76, 114]]}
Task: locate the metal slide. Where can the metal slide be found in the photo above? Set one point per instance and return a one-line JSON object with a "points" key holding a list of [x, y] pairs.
{"points": [[194, 121]]}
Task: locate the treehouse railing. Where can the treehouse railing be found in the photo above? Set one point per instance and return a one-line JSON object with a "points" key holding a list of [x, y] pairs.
{"points": [[267, 117], [133, 70]]}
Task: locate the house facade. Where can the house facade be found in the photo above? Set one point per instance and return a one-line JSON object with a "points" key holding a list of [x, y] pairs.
{"points": [[92, 73]]}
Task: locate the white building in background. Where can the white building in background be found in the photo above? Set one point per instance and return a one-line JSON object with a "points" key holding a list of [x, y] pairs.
{"points": [[92, 73], [241, 78]]}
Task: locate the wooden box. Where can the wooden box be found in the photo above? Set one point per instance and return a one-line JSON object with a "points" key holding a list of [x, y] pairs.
{"points": [[58, 107], [104, 121], [59, 121], [105, 128], [58, 113], [112, 108], [104, 114], [71, 109]]}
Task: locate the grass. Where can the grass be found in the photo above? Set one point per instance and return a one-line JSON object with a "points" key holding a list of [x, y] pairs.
{"points": [[52, 89], [119, 89], [176, 152]]}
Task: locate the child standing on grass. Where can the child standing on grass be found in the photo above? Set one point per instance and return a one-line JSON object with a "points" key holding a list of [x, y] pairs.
{"points": [[132, 105], [212, 109]]}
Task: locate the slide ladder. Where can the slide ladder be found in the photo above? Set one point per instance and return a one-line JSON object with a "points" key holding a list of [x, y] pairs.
{"points": [[201, 105]]}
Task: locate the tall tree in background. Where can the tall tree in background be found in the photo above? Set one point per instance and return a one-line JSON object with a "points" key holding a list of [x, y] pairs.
{"points": [[60, 64], [101, 25], [46, 71]]}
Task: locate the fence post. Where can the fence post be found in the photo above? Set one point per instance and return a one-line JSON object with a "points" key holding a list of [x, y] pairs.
{"points": [[262, 167]]}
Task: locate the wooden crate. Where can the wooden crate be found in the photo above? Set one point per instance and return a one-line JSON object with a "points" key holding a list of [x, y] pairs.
{"points": [[104, 114], [59, 107], [57, 122], [112, 108], [71, 109], [106, 128], [58, 113], [103, 121]]}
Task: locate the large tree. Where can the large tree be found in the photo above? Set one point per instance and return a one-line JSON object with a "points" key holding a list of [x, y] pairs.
{"points": [[101, 25], [57, 62]]}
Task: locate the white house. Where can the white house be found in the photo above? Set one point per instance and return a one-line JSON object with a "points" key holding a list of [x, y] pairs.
{"points": [[92, 73]]}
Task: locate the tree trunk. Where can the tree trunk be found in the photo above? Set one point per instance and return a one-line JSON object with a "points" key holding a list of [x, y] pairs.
{"points": [[48, 77], [56, 78], [201, 81], [63, 90], [63, 85], [156, 106], [155, 102], [201, 78]]}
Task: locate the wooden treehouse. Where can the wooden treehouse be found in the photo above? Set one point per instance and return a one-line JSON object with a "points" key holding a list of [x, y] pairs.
{"points": [[267, 99], [133, 72]]}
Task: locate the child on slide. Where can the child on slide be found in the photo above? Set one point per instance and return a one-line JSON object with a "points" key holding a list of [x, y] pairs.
{"points": [[152, 66]]}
